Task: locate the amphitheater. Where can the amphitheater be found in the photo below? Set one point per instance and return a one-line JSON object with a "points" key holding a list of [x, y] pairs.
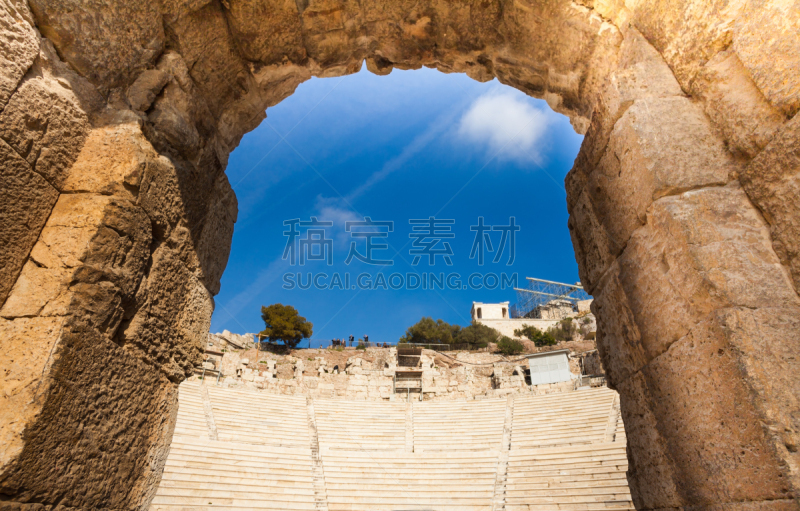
{"points": [[117, 120], [247, 449]]}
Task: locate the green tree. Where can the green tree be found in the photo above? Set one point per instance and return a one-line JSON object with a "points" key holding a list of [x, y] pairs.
{"points": [[536, 336], [477, 335], [564, 331], [283, 323], [509, 346], [428, 331]]}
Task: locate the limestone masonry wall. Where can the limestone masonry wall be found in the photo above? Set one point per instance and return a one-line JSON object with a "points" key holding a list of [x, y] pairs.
{"points": [[116, 122], [369, 374]]}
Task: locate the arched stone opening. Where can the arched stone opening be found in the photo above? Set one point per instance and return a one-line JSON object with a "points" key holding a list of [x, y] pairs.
{"points": [[116, 121]]}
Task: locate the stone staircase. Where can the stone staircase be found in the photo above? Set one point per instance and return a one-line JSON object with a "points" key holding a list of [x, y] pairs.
{"points": [[566, 419], [360, 425], [464, 425], [457, 481], [320, 495], [580, 478], [207, 474], [499, 501], [253, 417], [524, 452]]}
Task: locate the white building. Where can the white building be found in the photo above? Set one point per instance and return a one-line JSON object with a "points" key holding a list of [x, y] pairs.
{"points": [[496, 315]]}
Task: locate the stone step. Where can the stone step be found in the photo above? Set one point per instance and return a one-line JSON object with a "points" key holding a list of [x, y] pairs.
{"points": [[257, 440], [543, 484], [578, 434], [256, 478], [274, 420], [603, 506], [159, 502], [557, 492], [216, 459], [235, 470], [389, 478], [384, 466], [446, 457], [498, 403], [398, 492], [564, 420], [545, 462], [211, 490], [188, 454], [561, 470], [411, 506], [546, 429], [568, 502], [234, 447], [554, 424], [376, 501], [569, 452], [557, 476]]}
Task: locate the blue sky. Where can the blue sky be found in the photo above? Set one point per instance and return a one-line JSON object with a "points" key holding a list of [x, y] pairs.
{"points": [[410, 145]]}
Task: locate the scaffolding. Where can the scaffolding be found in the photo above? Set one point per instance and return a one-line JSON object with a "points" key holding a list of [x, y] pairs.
{"points": [[541, 292]]}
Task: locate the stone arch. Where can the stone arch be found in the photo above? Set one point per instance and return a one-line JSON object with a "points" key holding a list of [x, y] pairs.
{"points": [[116, 121]]}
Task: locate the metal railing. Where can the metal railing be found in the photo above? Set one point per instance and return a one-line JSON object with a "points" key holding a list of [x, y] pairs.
{"points": [[440, 347]]}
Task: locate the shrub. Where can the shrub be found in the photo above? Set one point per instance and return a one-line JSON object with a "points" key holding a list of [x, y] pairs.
{"points": [[477, 335], [428, 331], [564, 331], [509, 346], [536, 336]]}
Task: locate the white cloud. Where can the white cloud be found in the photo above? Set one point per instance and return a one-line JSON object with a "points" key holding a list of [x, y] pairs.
{"points": [[334, 209], [508, 126], [413, 148]]}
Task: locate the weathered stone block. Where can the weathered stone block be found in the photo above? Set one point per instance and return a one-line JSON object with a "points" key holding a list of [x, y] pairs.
{"points": [[618, 338], [282, 40], [651, 470], [144, 90], [707, 416], [19, 46], [700, 251], [217, 233], [27, 200], [658, 147], [94, 41], [152, 329], [766, 344], [25, 343], [113, 161], [736, 107], [642, 74], [39, 291], [772, 181], [765, 38], [593, 250], [44, 124], [687, 33], [102, 416]]}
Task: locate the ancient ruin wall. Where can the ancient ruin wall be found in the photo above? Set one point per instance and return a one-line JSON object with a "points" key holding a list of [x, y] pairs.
{"points": [[370, 374], [116, 121]]}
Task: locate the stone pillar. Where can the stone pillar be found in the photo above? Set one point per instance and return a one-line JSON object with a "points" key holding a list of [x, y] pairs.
{"points": [[102, 323], [698, 320]]}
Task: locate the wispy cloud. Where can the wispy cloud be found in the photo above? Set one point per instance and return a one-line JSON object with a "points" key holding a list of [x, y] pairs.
{"points": [[494, 119], [332, 209], [413, 148]]}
